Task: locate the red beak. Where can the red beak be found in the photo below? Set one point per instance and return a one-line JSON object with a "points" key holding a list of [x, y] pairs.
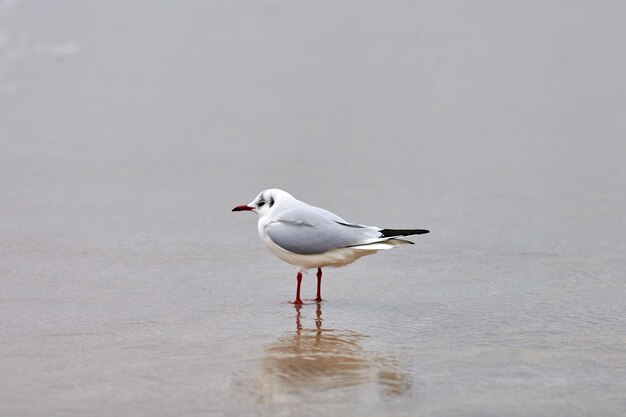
{"points": [[243, 208]]}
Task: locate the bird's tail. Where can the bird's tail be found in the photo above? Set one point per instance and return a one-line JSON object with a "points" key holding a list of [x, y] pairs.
{"points": [[382, 244], [389, 239], [401, 232]]}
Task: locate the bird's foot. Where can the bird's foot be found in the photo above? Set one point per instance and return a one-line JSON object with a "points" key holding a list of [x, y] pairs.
{"points": [[315, 300], [297, 301]]}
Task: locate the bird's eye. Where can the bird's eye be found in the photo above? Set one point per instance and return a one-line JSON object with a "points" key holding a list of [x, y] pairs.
{"points": [[261, 203], [271, 202]]}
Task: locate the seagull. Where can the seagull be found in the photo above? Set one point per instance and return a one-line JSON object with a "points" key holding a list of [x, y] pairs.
{"points": [[311, 237]]}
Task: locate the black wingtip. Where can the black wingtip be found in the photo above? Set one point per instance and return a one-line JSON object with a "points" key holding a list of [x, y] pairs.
{"points": [[402, 232]]}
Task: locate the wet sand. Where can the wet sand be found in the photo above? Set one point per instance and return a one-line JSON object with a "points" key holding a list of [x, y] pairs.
{"points": [[129, 131]]}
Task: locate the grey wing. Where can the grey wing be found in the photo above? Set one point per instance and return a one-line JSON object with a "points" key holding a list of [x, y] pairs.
{"points": [[328, 214], [307, 232]]}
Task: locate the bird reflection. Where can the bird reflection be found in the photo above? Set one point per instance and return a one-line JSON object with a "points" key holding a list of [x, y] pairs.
{"points": [[315, 361]]}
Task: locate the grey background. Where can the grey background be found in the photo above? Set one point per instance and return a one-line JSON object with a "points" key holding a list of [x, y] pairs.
{"points": [[128, 130]]}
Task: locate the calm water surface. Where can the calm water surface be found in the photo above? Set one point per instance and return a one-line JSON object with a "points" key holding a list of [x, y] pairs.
{"points": [[128, 130]]}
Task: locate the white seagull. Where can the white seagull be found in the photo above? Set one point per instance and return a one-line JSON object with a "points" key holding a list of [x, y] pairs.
{"points": [[311, 237]]}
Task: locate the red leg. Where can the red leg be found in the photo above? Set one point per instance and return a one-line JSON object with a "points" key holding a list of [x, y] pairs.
{"points": [[298, 300], [319, 285]]}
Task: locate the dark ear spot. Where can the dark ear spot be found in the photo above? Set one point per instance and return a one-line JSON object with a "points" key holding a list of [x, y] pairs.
{"points": [[271, 201]]}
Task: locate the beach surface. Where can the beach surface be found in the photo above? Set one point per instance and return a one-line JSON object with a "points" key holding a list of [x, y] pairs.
{"points": [[129, 130]]}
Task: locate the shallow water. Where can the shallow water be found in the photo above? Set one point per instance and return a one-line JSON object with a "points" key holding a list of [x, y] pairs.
{"points": [[129, 130]]}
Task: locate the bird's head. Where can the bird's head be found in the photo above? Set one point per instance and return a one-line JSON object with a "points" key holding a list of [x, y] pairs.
{"points": [[265, 202]]}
